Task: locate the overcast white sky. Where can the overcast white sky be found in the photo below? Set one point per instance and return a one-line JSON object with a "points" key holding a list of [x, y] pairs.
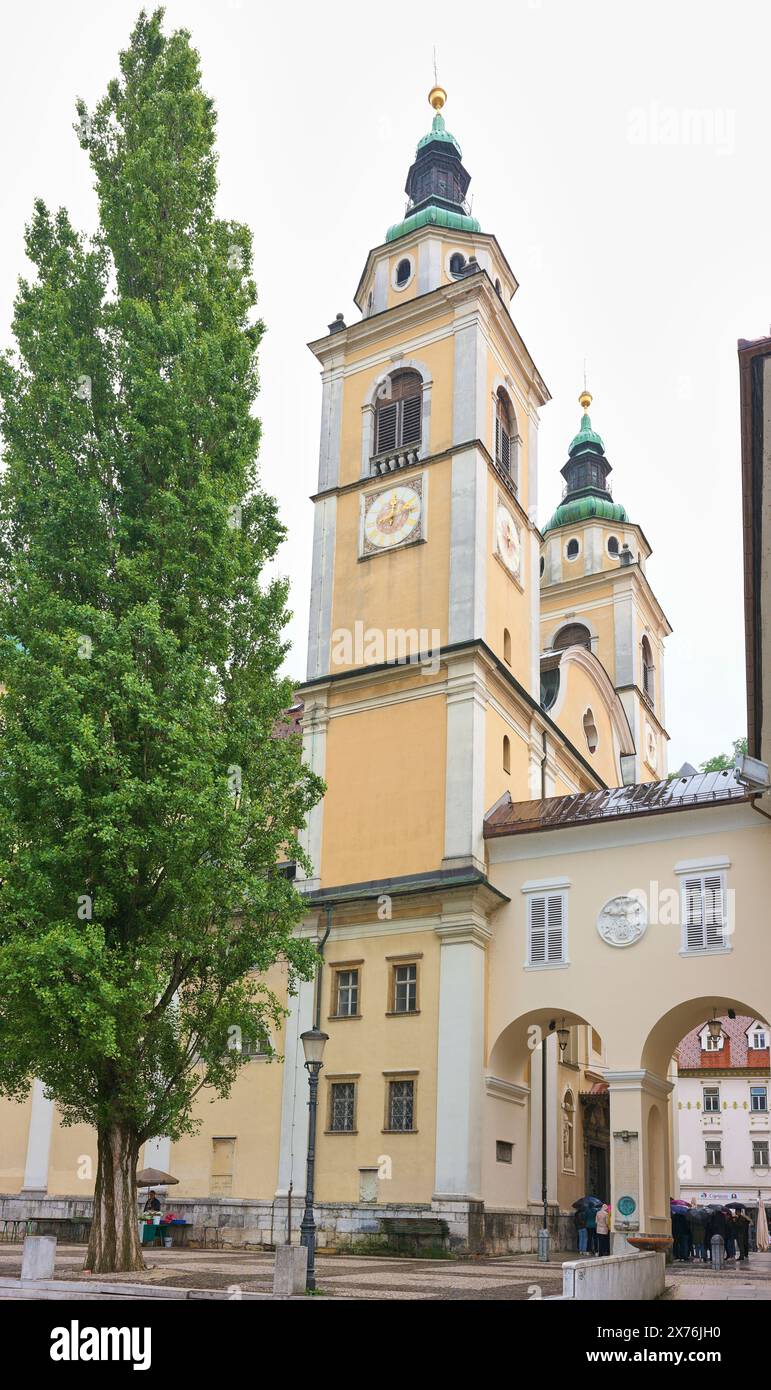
{"points": [[638, 230]]}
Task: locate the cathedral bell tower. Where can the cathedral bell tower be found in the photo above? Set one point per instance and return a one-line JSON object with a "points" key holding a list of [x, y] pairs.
{"points": [[595, 594], [422, 699]]}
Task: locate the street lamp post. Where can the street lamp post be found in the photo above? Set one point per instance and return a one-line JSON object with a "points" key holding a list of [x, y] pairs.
{"points": [[313, 1042], [563, 1037]]}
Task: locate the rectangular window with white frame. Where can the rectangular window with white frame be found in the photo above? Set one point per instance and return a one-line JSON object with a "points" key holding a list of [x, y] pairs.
{"points": [[711, 1100], [759, 1098], [346, 988], [704, 918], [760, 1153], [713, 1154], [547, 928]]}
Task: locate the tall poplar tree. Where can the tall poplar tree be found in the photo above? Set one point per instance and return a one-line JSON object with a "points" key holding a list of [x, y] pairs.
{"points": [[146, 803]]}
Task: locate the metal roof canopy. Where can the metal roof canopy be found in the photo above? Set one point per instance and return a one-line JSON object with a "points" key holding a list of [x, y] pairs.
{"points": [[706, 788]]}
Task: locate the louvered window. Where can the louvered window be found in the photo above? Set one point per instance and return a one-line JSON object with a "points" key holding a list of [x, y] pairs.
{"points": [[398, 412], [704, 917], [546, 928], [504, 431]]}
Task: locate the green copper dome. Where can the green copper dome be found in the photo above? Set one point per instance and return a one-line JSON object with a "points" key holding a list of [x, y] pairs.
{"points": [[439, 131], [437, 182], [433, 216], [586, 438], [587, 491], [577, 509]]}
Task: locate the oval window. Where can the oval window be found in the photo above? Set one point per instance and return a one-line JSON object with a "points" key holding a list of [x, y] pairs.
{"points": [[403, 272]]}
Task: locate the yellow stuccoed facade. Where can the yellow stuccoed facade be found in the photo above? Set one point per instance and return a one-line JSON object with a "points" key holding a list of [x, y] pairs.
{"points": [[466, 671]]}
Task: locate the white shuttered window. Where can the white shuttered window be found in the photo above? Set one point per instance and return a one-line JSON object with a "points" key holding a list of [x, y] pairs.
{"points": [[546, 928], [704, 912]]}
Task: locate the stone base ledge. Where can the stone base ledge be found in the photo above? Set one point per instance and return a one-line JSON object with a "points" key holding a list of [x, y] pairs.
{"points": [[242, 1222]]}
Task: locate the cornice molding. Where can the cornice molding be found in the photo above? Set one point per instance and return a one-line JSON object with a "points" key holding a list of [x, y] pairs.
{"points": [[507, 1090]]}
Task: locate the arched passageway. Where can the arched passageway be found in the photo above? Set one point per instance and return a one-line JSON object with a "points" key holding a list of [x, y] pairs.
{"points": [[609, 1118], [559, 1056]]}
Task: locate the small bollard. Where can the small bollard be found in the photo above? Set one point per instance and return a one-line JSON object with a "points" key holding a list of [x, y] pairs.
{"points": [[290, 1270], [38, 1257], [718, 1252], [543, 1245]]}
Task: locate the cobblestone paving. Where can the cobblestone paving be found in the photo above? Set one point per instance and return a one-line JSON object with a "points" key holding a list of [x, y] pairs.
{"points": [[511, 1278], [376, 1277]]}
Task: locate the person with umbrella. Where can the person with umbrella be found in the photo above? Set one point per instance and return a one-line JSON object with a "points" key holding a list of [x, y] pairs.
{"points": [[579, 1216], [697, 1221], [738, 1229], [153, 1178], [586, 1209]]}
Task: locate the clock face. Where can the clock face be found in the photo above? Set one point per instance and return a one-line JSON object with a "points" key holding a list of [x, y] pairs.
{"points": [[650, 745], [392, 517], [507, 539]]}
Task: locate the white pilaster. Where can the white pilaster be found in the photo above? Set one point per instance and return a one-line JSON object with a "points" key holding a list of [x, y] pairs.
{"points": [[465, 771], [331, 418], [429, 265], [41, 1121], [294, 1100], [469, 383], [468, 548], [464, 934], [315, 721], [322, 580], [623, 621], [380, 288]]}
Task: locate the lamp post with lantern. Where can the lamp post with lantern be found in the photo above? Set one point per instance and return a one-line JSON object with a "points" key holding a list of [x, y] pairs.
{"points": [[313, 1042], [563, 1038]]}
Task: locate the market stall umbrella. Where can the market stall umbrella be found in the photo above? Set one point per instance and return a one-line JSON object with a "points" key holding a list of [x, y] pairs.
{"points": [[153, 1177], [761, 1228]]}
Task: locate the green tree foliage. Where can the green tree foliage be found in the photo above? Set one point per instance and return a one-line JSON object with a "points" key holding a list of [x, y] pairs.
{"points": [[145, 801], [725, 760]]}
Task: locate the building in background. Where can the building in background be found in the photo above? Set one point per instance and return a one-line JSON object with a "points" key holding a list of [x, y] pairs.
{"points": [[721, 1112]]}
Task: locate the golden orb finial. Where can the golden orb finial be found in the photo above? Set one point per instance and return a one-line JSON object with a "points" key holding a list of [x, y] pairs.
{"points": [[437, 97], [585, 400]]}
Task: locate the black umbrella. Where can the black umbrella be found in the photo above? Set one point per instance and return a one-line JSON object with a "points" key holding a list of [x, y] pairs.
{"points": [[699, 1214], [595, 1202], [735, 1206]]}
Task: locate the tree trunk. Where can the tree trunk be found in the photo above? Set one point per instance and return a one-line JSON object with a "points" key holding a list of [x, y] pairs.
{"points": [[114, 1242]]}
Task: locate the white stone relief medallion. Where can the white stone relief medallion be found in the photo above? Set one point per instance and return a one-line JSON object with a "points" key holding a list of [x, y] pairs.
{"points": [[622, 921]]}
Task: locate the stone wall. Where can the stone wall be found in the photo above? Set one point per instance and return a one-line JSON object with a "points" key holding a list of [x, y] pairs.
{"points": [[472, 1228]]}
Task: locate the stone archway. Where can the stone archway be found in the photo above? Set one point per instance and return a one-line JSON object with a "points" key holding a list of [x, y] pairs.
{"points": [[576, 1119], [641, 1161]]}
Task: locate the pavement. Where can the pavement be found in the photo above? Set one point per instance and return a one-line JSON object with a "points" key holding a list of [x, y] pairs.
{"points": [[238, 1274]]}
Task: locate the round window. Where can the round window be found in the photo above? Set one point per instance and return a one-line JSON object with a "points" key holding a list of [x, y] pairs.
{"points": [[457, 263], [613, 545], [403, 272]]}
